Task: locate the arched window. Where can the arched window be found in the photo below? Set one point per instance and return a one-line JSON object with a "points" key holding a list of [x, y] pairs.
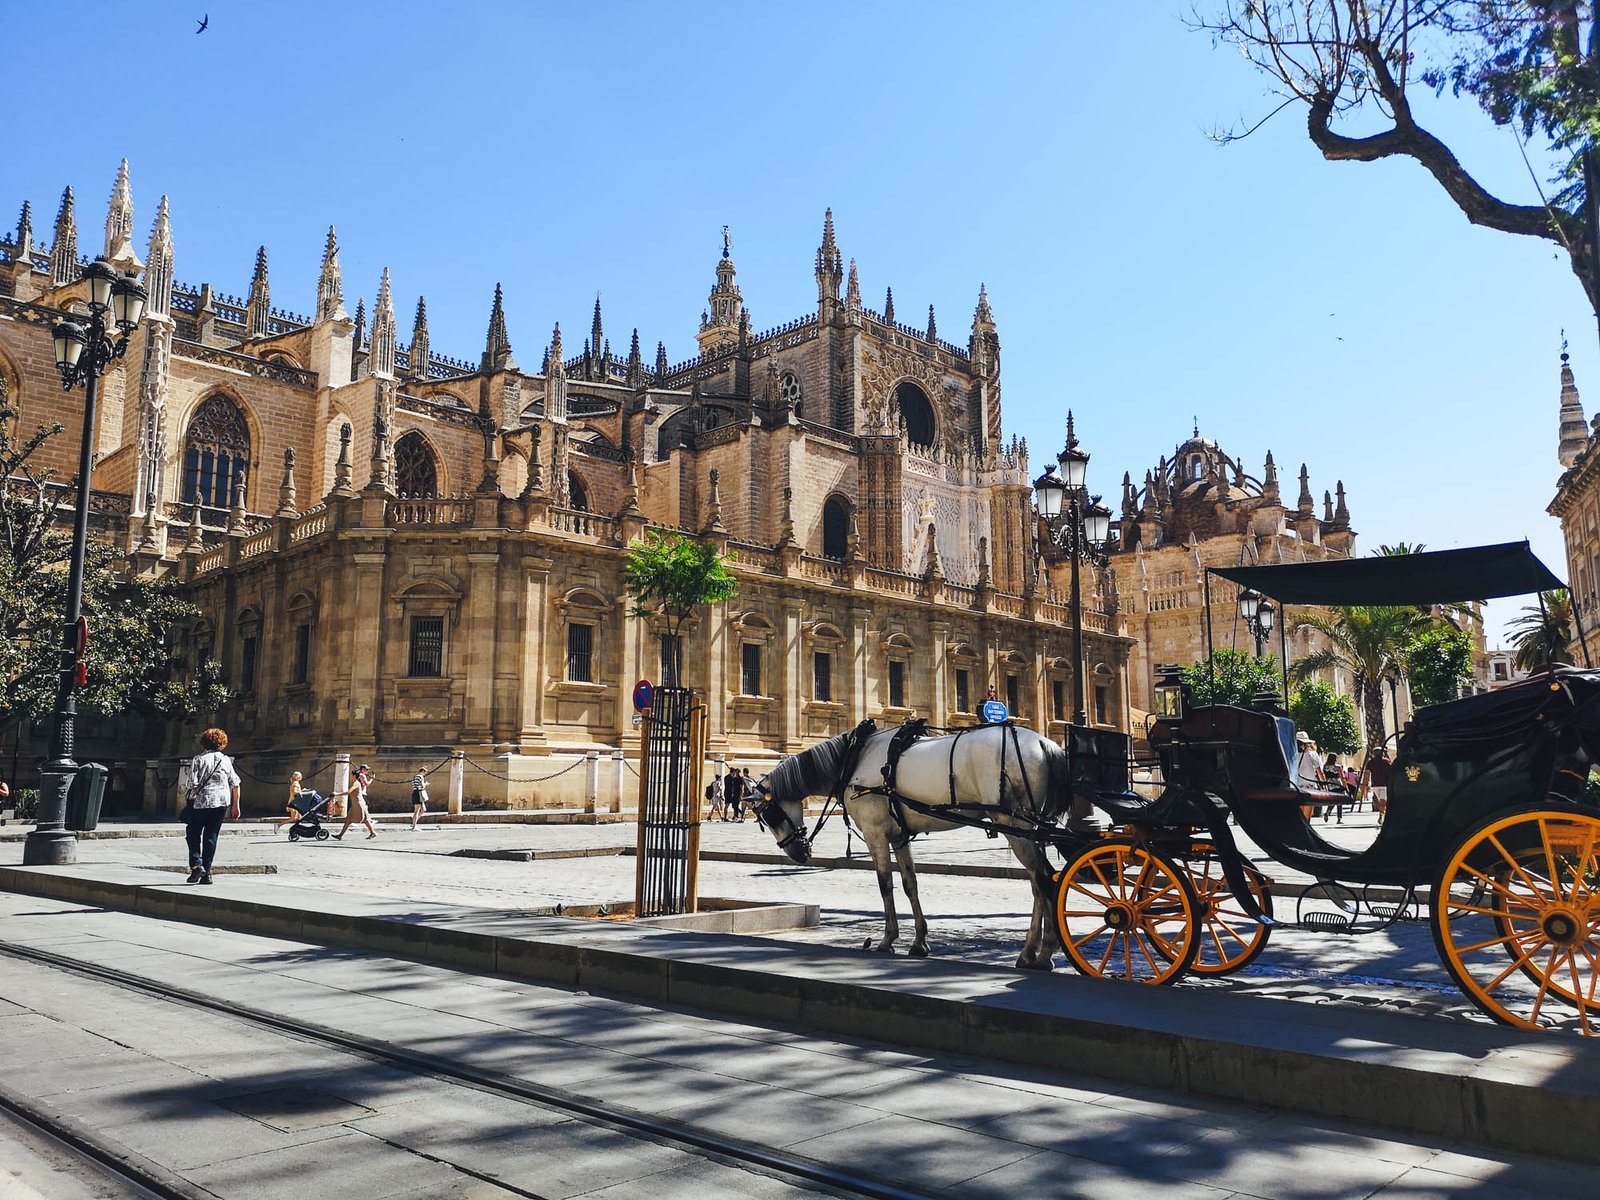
{"points": [[835, 528], [917, 411], [415, 472], [216, 452], [577, 494]]}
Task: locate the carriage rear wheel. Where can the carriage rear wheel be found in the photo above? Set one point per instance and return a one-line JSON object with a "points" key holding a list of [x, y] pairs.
{"points": [[1127, 912], [1516, 916], [1230, 938]]}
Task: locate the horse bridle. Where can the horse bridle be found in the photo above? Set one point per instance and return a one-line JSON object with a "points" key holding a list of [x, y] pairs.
{"points": [[777, 824]]}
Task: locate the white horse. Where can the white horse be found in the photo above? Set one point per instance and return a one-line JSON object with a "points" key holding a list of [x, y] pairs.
{"points": [[1020, 779]]}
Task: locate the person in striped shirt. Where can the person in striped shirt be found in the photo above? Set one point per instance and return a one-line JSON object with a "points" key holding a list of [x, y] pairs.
{"points": [[419, 796]]}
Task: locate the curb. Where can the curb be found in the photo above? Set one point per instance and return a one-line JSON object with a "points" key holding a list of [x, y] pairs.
{"points": [[1513, 1089]]}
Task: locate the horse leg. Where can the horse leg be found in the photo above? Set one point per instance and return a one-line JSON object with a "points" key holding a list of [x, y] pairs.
{"points": [[1038, 952], [879, 849], [908, 880]]}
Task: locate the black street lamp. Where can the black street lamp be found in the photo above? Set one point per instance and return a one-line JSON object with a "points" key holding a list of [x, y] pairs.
{"points": [[1080, 533], [116, 302], [1258, 615]]}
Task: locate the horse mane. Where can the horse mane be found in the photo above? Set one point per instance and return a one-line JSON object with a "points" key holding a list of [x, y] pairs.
{"points": [[812, 772]]}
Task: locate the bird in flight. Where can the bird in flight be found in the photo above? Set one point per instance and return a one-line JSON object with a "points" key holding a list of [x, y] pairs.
{"points": [[204, 21]]}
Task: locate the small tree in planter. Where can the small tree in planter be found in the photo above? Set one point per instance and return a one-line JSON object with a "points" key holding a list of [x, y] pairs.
{"points": [[669, 575]]}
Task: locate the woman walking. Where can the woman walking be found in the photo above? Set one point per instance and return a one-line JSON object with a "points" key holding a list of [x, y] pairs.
{"points": [[357, 791], [214, 796], [419, 796]]}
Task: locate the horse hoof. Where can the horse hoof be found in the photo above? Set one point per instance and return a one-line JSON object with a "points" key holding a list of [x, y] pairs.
{"points": [[883, 948], [1040, 964], [917, 951]]}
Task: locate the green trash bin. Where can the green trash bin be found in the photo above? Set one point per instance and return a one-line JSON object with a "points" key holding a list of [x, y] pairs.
{"points": [[84, 797]]}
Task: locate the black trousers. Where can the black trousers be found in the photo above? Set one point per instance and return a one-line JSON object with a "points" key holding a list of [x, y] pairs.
{"points": [[204, 825]]}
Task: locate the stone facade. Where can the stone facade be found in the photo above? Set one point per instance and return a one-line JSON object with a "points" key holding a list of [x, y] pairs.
{"points": [[400, 554], [1577, 506]]}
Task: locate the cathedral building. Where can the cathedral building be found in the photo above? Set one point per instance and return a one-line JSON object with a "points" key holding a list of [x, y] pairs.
{"points": [[400, 554], [1577, 506], [1200, 509]]}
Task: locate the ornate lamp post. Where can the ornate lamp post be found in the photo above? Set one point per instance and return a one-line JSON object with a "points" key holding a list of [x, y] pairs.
{"points": [[1258, 614], [1080, 532], [116, 302]]}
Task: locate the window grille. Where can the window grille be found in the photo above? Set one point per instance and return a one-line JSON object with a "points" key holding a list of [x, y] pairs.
{"points": [[427, 647], [580, 653]]}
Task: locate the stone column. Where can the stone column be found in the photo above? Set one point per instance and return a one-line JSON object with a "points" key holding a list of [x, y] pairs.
{"points": [[458, 781], [153, 801], [860, 665], [368, 608], [794, 682], [535, 622], [938, 702], [591, 781], [619, 781], [341, 780], [478, 629]]}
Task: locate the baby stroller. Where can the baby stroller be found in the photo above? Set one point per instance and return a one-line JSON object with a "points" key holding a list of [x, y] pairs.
{"points": [[308, 807]]}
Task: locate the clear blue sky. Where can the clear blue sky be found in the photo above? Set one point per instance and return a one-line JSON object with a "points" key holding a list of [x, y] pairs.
{"points": [[1343, 315]]}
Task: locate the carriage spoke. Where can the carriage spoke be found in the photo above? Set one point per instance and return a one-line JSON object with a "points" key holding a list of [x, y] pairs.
{"points": [[1511, 861], [1511, 897], [1517, 962], [1524, 936]]}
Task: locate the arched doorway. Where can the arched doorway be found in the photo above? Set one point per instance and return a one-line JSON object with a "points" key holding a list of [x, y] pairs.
{"points": [[577, 494], [216, 452]]}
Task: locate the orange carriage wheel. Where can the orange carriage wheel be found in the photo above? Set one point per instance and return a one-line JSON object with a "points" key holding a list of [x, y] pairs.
{"points": [[1127, 912], [1230, 938], [1516, 917]]}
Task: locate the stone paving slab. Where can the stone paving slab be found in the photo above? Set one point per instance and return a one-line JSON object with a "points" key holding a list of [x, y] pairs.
{"points": [[1480, 1084]]}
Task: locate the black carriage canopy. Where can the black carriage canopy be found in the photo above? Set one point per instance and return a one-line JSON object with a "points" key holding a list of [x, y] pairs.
{"points": [[1433, 577]]}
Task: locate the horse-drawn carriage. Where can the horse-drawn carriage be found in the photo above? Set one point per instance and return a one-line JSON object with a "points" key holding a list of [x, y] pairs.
{"points": [[1489, 817]]}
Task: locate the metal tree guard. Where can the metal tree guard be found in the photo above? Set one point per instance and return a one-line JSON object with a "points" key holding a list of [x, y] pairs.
{"points": [[667, 867]]}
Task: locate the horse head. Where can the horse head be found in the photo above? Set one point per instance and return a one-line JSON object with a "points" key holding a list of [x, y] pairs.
{"points": [[784, 819]]}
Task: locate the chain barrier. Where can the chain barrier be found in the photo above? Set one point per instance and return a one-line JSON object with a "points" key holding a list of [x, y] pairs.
{"points": [[509, 779]]}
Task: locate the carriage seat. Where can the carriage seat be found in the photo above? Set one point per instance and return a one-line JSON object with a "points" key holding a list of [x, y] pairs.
{"points": [[1243, 751]]}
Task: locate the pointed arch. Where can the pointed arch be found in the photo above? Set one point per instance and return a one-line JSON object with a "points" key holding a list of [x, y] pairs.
{"points": [[835, 527], [577, 493], [917, 410], [416, 467], [216, 451]]}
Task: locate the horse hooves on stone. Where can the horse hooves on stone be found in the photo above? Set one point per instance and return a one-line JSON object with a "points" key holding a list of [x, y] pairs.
{"points": [[920, 950]]}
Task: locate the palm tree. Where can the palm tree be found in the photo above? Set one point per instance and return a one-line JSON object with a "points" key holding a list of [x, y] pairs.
{"points": [[1368, 641], [1542, 635], [1399, 548]]}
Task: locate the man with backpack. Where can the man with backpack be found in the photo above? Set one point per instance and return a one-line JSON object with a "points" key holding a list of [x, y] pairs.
{"points": [[733, 789]]}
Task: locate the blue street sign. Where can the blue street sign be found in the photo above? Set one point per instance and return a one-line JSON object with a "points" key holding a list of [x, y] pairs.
{"points": [[643, 693], [994, 712]]}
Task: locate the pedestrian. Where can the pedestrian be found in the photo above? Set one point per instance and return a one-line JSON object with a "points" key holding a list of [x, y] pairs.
{"points": [[1307, 769], [358, 812], [1378, 770], [295, 807], [419, 796], [1333, 775], [733, 789], [748, 792], [213, 797], [719, 800]]}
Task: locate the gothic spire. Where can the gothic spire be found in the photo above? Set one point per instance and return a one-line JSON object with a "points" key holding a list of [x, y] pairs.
{"points": [[260, 297], [597, 337], [852, 291], [933, 326], [661, 361], [1574, 430], [158, 264], [24, 252], [419, 354], [982, 317], [1269, 481], [381, 360], [361, 325], [888, 306], [830, 265], [64, 247], [119, 223], [635, 363], [330, 288], [497, 343], [558, 364], [1341, 511], [1305, 505], [1327, 507]]}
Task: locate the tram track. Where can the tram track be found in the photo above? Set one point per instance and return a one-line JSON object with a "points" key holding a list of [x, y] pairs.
{"points": [[148, 1179], [139, 1178]]}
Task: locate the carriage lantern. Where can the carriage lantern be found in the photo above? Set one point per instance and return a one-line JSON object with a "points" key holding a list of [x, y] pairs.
{"points": [[1172, 694]]}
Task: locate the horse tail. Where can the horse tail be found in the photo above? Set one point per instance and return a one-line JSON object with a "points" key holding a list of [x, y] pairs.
{"points": [[1058, 780]]}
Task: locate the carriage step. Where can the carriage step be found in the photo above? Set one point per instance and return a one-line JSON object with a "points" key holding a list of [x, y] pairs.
{"points": [[1326, 922]]}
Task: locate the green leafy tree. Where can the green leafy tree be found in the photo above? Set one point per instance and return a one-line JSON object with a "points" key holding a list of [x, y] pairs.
{"points": [[1356, 65], [133, 623], [669, 575], [1399, 549], [1437, 662], [1542, 635], [1367, 642], [1328, 717], [1232, 677]]}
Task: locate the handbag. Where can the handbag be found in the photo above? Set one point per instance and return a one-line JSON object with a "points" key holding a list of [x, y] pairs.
{"points": [[193, 792]]}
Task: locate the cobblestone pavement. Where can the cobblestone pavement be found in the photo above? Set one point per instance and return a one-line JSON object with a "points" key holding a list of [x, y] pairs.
{"points": [[977, 919]]}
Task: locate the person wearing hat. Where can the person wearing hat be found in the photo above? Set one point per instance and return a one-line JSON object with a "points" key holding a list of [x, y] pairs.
{"points": [[357, 791], [1307, 769]]}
